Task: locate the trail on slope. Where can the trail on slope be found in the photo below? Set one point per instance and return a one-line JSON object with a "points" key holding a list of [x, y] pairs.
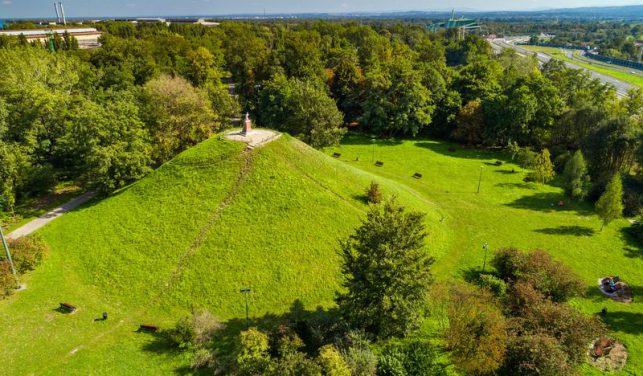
{"points": [[244, 171]]}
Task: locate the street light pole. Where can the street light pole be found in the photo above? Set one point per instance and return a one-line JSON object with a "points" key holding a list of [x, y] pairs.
{"points": [[485, 246], [480, 179], [373, 150], [246, 291], [6, 251]]}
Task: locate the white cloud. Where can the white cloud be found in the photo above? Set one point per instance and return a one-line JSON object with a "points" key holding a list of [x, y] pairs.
{"points": [[7, 2]]}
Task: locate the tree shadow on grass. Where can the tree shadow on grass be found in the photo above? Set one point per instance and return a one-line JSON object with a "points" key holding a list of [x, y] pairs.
{"points": [[457, 151], [517, 185], [227, 340], [567, 230], [362, 139], [508, 172], [634, 248], [547, 202], [627, 322]]}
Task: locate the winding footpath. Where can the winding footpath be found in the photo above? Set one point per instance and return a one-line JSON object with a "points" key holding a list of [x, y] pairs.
{"points": [[39, 222]]}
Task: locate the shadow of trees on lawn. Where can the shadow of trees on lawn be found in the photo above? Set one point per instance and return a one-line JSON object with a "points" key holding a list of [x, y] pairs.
{"points": [[626, 322], [305, 323], [457, 151], [567, 230], [634, 249], [548, 202]]}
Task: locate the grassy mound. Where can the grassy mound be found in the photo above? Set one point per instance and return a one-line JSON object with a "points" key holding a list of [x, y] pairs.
{"points": [[211, 221]]}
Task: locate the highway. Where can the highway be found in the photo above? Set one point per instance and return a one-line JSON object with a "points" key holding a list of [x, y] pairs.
{"points": [[621, 86]]}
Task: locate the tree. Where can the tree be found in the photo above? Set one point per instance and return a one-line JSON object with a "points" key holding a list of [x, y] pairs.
{"points": [[543, 168], [374, 194], [301, 108], [252, 357], [576, 177], [331, 362], [470, 123], [477, 331], [386, 272], [610, 205], [177, 115]]}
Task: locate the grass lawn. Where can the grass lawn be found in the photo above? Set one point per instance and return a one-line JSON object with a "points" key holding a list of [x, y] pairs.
{"points": [[633, 79], [216, 219]]}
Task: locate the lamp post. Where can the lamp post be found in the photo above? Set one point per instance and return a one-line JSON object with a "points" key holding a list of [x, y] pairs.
{"points": [[246, 291], [373, 150], [480, 179], [485, 246], [6, 251]]}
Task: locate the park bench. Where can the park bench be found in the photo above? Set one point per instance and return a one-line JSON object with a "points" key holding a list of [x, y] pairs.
{"points": [[66, 307], [148, 328], [379, 163], [417, 175], [336, 155]]}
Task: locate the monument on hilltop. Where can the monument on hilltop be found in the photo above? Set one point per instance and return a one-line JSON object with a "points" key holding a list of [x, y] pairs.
{"points": [[247, 125]]}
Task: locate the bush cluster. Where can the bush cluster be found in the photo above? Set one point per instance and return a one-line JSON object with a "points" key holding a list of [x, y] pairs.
{"points": [[27, 252]]}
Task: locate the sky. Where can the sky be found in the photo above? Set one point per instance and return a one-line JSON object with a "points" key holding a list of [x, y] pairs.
{"points": [[125, 8]]}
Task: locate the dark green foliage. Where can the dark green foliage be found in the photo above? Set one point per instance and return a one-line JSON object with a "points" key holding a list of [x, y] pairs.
{"points": [[386, 271], [374, 194], [536, 355], [477, 331], [494, 284], [27, 252], [575, 177], [551, 278], [412, 357], [610, 205], [7, 280], [301, 108]]}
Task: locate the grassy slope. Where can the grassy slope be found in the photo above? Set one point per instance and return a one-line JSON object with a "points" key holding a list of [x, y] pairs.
{"points": [[269, 219], [278, 233], [616, 73], [511, 212]]}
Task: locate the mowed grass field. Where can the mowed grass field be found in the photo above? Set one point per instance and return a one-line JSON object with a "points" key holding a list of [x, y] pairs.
{"points": [[510, 212], [617, 72], [217, 218]]}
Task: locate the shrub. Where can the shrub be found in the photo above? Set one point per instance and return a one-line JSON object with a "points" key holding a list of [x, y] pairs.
{"points": [[553, 279], [572, 329], [414, 357], [374, 194], [332, 363], [477, 331], [493, 284], [252, 357], [538, 355], [27, 252], [360, 359], [7, 280], [195, 330]]}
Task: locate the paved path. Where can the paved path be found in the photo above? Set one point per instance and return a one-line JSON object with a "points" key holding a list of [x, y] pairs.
{"points": [[621, 87], [255, 137], [50, 216]]}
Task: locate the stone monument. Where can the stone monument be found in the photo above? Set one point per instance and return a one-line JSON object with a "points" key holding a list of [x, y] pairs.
{"points": [[247, 125]]}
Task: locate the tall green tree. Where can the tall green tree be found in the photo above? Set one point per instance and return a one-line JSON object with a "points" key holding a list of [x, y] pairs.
{"points": [[302, 108], [543, 168], [610, 205], [177, 114], [386, 272], [576, 178]]}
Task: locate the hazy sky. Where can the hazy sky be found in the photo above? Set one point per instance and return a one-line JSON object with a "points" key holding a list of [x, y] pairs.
{"points": [[84, 8]]}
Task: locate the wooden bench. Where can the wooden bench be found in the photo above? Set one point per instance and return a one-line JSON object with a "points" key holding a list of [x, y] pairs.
{"points": [[379, 163], [417, 175], [148, 328], [66, 307], [336, 155]]}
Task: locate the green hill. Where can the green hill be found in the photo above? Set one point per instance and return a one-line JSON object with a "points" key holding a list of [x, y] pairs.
{"points": [[213, 220]]}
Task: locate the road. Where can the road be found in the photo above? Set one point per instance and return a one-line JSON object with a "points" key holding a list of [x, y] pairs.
{"points": [[50, 216], [621, 86]]}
